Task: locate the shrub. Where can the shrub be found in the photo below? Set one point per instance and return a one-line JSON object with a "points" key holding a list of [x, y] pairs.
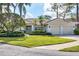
{"points": [[76, 31], [49, 34], [39, 32], [11, 34]]}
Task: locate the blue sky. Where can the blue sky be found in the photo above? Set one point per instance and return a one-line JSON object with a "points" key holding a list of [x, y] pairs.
{"points": [[37, 9], [33, 11]]}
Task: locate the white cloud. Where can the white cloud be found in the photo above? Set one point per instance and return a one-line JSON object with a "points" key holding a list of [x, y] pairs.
{"points": [[47, 7]]}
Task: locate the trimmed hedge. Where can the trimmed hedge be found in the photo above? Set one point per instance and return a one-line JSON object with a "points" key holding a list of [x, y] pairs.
{"points": [[11, 34], [76, 31], [39, 32]]}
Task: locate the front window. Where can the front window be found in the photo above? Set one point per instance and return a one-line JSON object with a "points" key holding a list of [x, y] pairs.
{"points": [[49, 26]]}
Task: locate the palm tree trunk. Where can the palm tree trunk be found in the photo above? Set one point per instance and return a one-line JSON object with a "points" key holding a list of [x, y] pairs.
{"points": [[13, 19], [20, 19], [77, 14], [57, 11]]}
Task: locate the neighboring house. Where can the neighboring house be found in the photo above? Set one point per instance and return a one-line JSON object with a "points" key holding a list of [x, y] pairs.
{"points": [[31, 26], [60, 26]]}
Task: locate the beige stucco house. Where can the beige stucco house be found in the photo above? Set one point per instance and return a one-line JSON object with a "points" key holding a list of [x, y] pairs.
{"points": [[32, 25], [60, 27]]}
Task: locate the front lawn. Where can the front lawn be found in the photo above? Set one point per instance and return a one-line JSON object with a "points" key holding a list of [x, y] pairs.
{"points": [[33, 41], [71, 49]]}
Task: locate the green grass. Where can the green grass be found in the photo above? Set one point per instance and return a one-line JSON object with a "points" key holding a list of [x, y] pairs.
{"points": [[33, 41], [71, 49]]}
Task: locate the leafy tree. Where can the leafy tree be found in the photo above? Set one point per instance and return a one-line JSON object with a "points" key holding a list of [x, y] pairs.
{"points": [[55, 7], [65, 7], [11, 21], [41, 20], [8, 24], [35, 21], [71, 6], [47, 17]]}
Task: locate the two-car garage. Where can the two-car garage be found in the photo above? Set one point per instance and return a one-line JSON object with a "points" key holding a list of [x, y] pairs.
{"points": [[60, 27]]}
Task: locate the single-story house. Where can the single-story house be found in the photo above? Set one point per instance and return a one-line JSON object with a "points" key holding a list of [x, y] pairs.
{"points": [[60, 26], [31, 26]]}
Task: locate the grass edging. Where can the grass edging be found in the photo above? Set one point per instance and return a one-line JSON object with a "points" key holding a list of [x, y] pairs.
{"points": [[71, 49], [34, 41]]}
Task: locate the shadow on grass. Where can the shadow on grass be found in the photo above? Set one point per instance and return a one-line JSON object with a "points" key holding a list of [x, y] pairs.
{"points": [[2, 43], [8, 39]]}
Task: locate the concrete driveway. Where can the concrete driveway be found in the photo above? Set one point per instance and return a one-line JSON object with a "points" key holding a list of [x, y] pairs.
{"points": [[51, 50], [10, 50], [76, 37]]}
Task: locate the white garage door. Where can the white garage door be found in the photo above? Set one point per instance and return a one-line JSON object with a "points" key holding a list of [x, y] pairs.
{"points": [[68, 30], [55, 30], [60, 30]]}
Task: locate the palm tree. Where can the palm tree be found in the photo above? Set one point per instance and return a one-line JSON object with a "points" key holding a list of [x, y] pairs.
{"points": [[41, 19], [1, 7], [14, 5], [77, 14], [22, 9]]}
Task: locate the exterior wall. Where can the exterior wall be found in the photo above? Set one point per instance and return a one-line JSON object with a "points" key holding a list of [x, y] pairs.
{"points": [[28, 29], [48, 29], [33, 28], [40, 28], [60, 27]]}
